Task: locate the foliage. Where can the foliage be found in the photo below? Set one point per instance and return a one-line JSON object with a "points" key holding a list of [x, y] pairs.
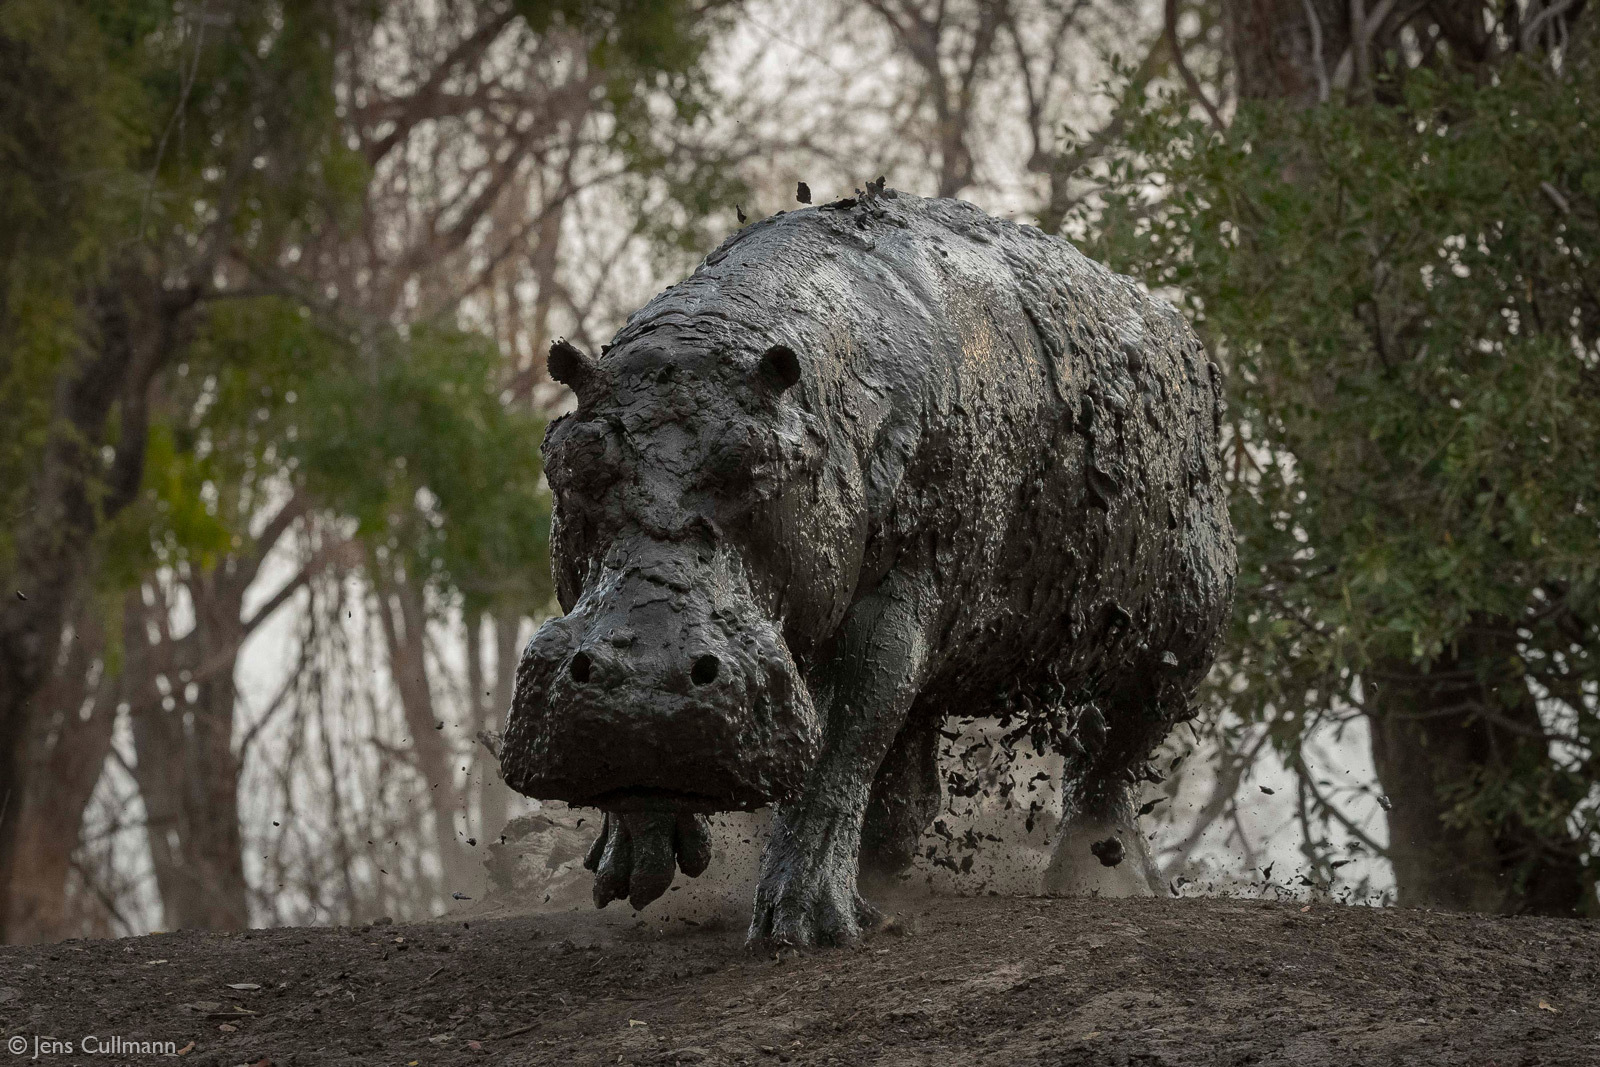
{"points": [[201, 147], [662, 44], [448, 477], [1406, 298], [139, 146], [658, 41], [269, 399], [64, 113]]}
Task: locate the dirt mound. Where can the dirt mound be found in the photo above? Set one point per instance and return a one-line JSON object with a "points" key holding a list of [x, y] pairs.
{"points": [[977, 980]]}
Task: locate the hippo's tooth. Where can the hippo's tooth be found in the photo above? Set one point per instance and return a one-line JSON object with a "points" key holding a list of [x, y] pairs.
{"points": [[654, 864], [616, 861], [591, 862], [692, 842]]}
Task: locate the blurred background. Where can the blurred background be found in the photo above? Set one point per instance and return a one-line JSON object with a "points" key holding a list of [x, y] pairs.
{"points": [[277, 278]]}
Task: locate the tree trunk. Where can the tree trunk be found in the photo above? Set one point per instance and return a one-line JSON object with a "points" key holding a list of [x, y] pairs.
{"points": [[67, 754], [1286, 49], [1438, 733], [213, 845], [192, 819], [74, 492], [404, 620], [187, 772], [494, 796]]}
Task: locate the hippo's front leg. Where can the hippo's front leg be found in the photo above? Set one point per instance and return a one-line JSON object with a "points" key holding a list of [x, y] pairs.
{"points": [[807, 893]]}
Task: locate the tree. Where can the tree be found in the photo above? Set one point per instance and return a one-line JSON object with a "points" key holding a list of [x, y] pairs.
{"points": [[1392, 247], [509, 161], [185, 191], [979, 67], [149, 151]]}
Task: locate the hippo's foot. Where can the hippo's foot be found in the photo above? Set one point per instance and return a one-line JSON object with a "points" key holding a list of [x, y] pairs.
{"points": [[638, 853], [1101, 857], [802, 901]]}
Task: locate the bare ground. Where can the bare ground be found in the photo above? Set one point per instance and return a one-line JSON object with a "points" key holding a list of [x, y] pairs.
{"points": [[969, 981]]}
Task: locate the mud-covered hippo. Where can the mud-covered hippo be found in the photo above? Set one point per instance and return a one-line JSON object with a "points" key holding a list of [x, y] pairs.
{"points": [[874, 464]]}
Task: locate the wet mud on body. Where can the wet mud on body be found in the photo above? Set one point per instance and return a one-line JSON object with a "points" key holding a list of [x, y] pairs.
{"points": [[974, 980]]}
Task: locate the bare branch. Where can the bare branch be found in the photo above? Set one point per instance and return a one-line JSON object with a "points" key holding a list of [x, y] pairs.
{"points": [[1170, 29]]}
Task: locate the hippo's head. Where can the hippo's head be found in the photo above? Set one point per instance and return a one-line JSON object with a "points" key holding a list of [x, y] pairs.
{"points": [[668, 685]]}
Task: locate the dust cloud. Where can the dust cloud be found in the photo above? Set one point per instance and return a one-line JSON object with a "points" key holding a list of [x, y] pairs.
{"points": [[994, 835]]}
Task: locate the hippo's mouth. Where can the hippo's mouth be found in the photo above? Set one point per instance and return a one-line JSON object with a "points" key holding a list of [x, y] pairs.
{"points": [[654, 798], [654, 696]]}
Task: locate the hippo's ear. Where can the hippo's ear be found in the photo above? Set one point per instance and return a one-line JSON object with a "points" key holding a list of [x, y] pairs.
{"points": [[779, 368], [571, 367]]}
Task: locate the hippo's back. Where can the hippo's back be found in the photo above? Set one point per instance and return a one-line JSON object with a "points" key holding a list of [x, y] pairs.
{"points": [[1033, 436]]}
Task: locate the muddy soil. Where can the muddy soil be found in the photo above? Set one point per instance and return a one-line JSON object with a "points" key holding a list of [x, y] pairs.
{"points": [[967, 981]]}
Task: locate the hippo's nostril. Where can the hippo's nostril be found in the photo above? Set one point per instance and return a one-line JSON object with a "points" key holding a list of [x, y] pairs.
{"points": [[704, 671], [579, 668]]}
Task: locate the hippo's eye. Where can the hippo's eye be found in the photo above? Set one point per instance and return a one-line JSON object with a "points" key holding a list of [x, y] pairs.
{"points": [[584, 456], [704, 671], [580, 668]]}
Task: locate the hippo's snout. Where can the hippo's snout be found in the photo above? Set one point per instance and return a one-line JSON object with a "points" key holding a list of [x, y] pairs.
{"points": [[664, 689], [600, 666]]}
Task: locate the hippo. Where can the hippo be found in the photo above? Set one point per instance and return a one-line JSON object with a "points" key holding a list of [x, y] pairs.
{"points": [[875, 464]]}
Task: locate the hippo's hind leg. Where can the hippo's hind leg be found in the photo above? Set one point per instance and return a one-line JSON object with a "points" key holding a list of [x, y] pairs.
{"points": [[1099, 849], [905, 798], [808, 892], [1098, 795]]}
